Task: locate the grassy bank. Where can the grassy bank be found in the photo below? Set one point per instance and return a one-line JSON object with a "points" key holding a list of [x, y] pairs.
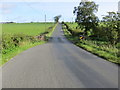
{"points": [[15, 51], [100, 48], [14, 43]]}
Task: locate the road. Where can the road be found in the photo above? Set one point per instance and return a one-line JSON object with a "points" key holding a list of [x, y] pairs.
{"points": [[58, 64]]}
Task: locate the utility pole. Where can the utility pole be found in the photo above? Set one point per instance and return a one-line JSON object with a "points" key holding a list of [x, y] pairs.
{"points": [[45, 22]]}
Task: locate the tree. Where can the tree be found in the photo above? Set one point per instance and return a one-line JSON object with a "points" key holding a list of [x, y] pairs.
{"points": [[112, 24], [56, 18], [85, 15]]}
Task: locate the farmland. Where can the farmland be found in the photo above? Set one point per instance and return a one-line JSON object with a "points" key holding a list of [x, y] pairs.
{"points": [[25, 28]]}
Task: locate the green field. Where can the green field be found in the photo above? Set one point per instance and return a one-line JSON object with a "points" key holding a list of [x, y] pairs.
{"points": [[25, 28]]}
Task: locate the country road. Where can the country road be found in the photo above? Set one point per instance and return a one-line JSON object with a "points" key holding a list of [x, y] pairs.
{"points": [[58, 64]]}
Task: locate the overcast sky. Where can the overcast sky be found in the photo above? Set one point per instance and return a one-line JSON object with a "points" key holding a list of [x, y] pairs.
{"points": [[27, 11]]}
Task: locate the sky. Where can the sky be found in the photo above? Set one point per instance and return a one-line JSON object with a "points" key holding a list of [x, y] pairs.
{"points": [[35, 11]]}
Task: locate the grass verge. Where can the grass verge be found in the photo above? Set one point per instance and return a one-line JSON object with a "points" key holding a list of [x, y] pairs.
{"points": [[50, 33]]}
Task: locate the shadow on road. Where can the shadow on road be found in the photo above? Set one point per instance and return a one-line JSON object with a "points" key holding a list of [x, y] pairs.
{"points": [[57, 40]]}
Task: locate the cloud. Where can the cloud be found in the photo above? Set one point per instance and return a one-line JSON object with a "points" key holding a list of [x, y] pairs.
{"points": [[6, 8]]}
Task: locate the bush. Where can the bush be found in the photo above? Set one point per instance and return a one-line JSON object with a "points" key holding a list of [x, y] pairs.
{"points": [[7, 41], [10, 41]]}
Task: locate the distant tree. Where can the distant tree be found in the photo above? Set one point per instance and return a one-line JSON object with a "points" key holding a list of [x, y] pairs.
{"points": [[85, 15], [9, 22], [56, 18]]}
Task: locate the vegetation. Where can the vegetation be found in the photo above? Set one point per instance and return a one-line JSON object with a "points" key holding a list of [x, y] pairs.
{"points": [[25, 28], [56, 18], [19, 37], [85, 16], [112, 27], [101, 48]]}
